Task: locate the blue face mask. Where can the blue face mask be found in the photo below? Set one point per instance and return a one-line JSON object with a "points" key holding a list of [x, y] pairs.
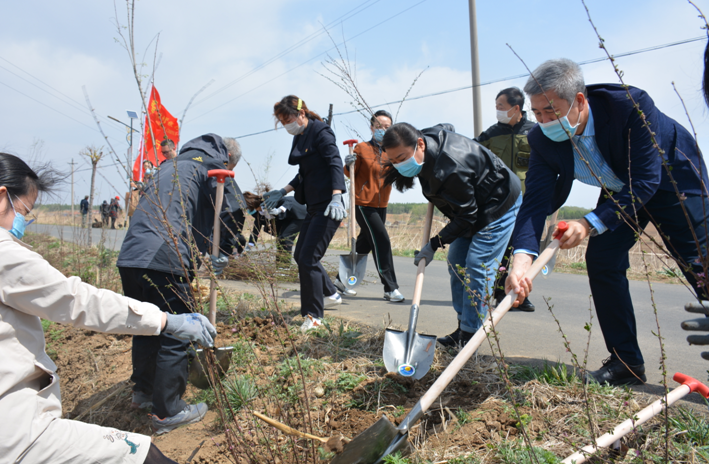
{"points": [[19, 223], [555, 131], [378, 135], [410, 167]]}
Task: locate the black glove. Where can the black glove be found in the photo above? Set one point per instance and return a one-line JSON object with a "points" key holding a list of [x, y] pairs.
{"points": [[700, 325]]}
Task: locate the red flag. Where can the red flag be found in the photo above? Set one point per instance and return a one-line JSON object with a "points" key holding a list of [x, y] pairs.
{"points": [[159, 125]]}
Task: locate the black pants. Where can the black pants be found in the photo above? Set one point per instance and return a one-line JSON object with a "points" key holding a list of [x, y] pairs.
{"points": [[160, 363], [315, 236], [373, 237], [113, 222], [287, 232], [607, 262]]}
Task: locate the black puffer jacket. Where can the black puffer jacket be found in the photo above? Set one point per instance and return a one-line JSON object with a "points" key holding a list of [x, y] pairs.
{"points": [[465, 181], [181, 195]]}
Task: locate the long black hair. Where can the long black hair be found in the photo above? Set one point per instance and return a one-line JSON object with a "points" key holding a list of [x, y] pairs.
{"points": [[400, 134], [21, 180]]}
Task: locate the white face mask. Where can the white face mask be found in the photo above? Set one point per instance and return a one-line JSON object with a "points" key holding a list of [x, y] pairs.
{"points": [[502, 116], [293, 128]]}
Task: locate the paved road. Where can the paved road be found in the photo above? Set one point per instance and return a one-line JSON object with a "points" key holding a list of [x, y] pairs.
{"points": [[523, 335]]}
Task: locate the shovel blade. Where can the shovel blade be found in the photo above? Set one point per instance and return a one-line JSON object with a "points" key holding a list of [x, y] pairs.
{"points": [[369, 446], [396, 353], [352, 270], [199, 376]]}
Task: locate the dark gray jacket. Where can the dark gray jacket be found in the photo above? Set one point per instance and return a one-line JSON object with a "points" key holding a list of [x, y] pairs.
{"points": [[182, 196]]}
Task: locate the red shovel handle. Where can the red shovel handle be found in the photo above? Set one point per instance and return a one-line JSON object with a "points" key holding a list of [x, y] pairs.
{"points": [[350, 142], [561, 228], [693, 384], [220, 174]]}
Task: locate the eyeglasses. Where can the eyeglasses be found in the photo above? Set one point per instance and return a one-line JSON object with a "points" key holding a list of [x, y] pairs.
{"points": [[29, 210]]}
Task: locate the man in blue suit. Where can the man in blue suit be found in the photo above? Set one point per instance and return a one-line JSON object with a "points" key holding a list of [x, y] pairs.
{"points": [[642, 180]]}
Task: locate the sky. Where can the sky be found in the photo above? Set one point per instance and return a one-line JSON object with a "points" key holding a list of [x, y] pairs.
{"points": [[253, 53]]}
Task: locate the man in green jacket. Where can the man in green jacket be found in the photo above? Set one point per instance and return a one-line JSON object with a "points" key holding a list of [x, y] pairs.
{"points": [[508, 140]]}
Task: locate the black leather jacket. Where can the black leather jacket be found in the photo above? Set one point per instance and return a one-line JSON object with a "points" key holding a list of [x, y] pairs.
{"points": [[465, 181]]}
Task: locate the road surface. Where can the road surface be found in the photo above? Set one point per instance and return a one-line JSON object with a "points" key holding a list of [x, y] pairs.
{"points": [[532, 336]]}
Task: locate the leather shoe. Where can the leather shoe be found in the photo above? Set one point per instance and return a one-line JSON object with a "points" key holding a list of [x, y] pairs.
{"points": [[525, 306], [615, 373], [458, 338]]}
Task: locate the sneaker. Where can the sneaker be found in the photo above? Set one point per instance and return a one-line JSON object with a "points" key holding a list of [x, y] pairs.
{"points": [[191, 414], [342, 290], [332, 301], [311, 322], [141, 400], [394, 296], [615, 373]]}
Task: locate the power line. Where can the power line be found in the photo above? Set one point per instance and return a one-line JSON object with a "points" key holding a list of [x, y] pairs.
{"points": [[509, 78], [295, 46], [311, 59], [73, 103]]}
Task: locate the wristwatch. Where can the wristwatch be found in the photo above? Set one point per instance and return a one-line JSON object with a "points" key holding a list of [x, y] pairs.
{"points": [[592, 232]]}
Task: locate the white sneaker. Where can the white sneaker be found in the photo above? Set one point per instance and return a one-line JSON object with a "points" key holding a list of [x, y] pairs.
{"points": [[394, 296], [310, 323], [332, 301], [344, 290]]}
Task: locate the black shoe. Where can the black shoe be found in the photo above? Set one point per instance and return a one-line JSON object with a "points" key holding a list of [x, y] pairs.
{"points": [[525, 306], [615, 373], [458, 338]]}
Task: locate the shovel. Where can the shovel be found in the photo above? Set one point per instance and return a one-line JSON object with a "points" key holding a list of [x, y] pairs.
{"points": [[221, 175], [352, 265], [689, 385], [199, 376], [407, 352], [383, 438]]}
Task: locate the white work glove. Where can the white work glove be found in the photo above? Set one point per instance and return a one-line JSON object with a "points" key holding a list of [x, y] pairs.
{"points": [[219, 263], [350, 159], [336, 209], [191, 326], [271, 199]]}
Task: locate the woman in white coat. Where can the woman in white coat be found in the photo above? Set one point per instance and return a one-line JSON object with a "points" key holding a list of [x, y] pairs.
{"points": [[31, 429]]}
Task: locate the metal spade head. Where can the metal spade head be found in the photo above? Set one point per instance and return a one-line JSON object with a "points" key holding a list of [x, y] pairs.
{"points": [[352, 270], [414, 361], [199, 376], [373, 444]]}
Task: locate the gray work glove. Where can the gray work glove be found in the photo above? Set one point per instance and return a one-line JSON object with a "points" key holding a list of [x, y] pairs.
{"points": [[191, 326], [350, 159], [336, 209], [219, 263], [271, 199], [700, 325], [426, 254]]}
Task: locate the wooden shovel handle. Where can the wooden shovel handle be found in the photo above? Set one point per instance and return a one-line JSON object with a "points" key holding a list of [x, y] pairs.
{"points": [[490, 321], [287, 430], [418, 287]]}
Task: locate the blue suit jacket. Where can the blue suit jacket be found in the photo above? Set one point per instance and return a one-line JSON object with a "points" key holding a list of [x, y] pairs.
{"points": [[624, 142]]}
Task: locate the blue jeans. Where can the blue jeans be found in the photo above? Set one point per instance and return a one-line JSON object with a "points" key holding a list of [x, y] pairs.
{"points": [[480, 257]]}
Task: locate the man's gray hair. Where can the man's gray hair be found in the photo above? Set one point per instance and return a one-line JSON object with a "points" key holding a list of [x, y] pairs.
{"points": [[234, 150], [563, 76]]}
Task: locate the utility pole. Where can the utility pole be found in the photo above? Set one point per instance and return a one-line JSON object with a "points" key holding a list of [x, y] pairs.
{"points": [[72, 193], [329, 116], [475, 67]]}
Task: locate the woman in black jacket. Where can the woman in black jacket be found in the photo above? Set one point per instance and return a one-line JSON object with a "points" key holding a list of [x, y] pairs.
{"points": [[319, 185], [475, 190]]}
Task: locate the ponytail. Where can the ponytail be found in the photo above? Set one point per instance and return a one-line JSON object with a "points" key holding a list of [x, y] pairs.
{"points": [[290, 106]]}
